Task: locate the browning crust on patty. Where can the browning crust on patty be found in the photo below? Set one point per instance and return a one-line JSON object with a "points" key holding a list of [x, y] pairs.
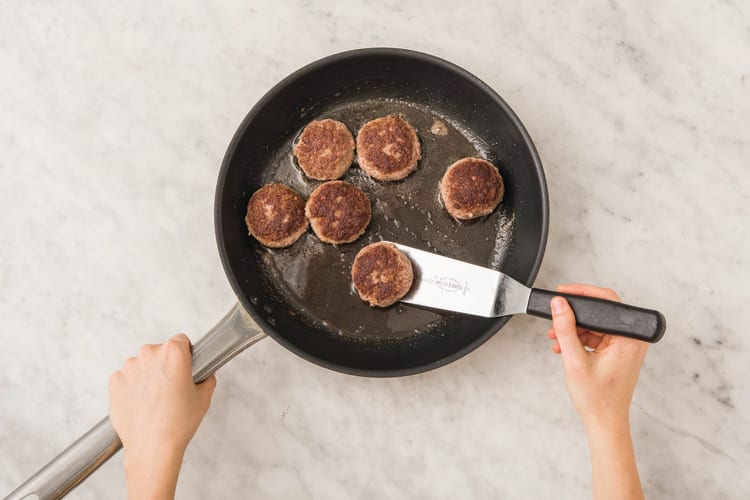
{"points": [[276, 215], [325, 149], [388, 148], [382, 274], [338, 212], [471, 188]]}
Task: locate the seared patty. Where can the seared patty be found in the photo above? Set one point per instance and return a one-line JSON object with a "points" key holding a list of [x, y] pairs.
{"points": [[388, 148], [471, 188], [338, 212], [382, 274], [325, 149], [276, 215]]}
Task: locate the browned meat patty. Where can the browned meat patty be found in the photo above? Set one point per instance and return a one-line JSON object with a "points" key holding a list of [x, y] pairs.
{"points": [[325, 149], [276, 215], [382, 274], [338, 212], [388, 148], [471, 188]]}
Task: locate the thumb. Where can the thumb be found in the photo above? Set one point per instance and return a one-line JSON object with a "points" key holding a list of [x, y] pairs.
{"points": [[564, 324]]}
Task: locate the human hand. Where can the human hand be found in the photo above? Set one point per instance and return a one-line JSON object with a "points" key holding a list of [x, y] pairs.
{"points": [[156, 408], [600, 382]]}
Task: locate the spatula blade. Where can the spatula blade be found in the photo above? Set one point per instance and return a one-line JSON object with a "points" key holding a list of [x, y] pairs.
{"points": [[453, 285]]}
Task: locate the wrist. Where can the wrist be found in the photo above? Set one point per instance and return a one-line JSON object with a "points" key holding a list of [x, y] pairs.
{"points": [[615, 474], [606, 433], [153, 452], [606, 423], [607, 427], [151, 473]]}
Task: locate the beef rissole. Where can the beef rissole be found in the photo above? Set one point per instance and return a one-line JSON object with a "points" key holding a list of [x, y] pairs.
{"points": [[276, 216], [338, 212], [325, 149], [388, 148], [382, 274], [471, 188]]}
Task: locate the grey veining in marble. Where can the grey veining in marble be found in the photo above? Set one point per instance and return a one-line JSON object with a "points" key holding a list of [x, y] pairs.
{"points": [[114, 117]]}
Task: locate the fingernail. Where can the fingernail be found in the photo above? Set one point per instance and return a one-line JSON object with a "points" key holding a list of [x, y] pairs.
{"points": [[557, 305]]}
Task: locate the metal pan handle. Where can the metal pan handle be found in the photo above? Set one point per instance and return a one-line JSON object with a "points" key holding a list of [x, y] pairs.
{"points": [[234, 333]]}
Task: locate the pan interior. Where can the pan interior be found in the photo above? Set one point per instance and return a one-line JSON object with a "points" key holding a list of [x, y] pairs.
{"points": [[314, 278]]}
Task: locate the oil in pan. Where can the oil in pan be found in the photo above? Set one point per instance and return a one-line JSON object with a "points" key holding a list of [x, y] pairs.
{"points": [[314, 277]]}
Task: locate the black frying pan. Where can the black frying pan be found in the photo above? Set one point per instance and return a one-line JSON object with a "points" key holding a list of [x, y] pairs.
{"points": [[301, 296]]}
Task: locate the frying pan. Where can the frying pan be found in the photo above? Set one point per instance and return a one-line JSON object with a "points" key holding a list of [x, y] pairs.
{"points": [[301, 296]]}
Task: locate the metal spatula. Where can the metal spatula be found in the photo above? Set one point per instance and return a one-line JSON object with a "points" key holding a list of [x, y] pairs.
{"points": [[450, 284]]}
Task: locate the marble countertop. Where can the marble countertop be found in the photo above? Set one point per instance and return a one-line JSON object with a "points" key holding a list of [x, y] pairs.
{"points": [[115, 117]]}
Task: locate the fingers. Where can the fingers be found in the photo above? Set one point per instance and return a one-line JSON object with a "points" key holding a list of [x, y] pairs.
{"points": [[590, 339], [206, 389], [176, 356], [127, 366], [181, 337], [114, 379], [144, 352], [182, 340], [564, 324], [207, 386], [589, 291], [551, 333], [179, 347]]}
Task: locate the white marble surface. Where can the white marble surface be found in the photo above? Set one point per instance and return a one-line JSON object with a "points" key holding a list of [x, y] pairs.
{"points": [[114, 117]]}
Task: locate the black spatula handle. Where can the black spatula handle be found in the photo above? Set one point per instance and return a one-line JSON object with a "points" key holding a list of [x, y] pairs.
{"points": [[604, 316]]}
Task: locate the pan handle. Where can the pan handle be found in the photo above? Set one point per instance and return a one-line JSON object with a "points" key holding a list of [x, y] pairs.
{"points": [[604, 316], [234, 333]]}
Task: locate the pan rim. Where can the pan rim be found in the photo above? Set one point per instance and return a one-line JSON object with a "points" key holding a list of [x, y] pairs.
{"points": [[311, 67]]}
